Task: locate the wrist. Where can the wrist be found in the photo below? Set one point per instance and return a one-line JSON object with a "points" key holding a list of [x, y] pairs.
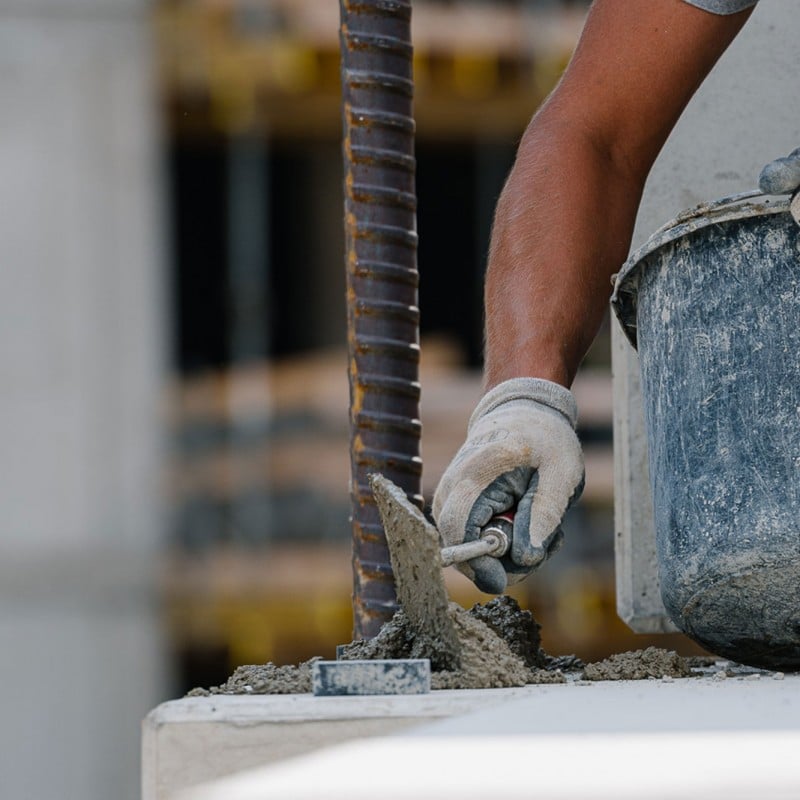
{"points": [[552, 356], [539, 390]]}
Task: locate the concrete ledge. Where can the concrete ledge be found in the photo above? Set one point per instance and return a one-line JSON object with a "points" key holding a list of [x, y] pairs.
{"points": [[717, 739], [189, 741], [597, 767]]}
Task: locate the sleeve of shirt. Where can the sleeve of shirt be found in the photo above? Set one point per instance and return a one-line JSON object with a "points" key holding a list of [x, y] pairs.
{"points": [[722, 6]]}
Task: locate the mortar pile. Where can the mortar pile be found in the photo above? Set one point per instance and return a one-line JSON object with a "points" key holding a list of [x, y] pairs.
{"points": [[491, 646]]}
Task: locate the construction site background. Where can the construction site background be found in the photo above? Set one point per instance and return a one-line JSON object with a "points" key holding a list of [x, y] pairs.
{"points": [[259, 563], [175, 465]]}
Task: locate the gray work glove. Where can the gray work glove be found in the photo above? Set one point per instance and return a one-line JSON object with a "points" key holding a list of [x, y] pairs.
{"points": [[521, 454], [781, 176]]}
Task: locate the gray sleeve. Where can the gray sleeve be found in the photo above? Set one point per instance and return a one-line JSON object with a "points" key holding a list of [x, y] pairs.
{"points": [[722, 6]]}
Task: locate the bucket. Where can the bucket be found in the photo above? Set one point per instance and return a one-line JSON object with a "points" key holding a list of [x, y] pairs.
{"points": [[712, 303]]}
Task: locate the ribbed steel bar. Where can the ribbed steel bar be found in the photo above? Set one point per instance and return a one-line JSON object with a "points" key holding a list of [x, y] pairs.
{"points": [[382, 280]]}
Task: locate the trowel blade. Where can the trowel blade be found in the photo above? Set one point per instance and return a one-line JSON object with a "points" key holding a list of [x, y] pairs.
{"points": [[417, 566]]}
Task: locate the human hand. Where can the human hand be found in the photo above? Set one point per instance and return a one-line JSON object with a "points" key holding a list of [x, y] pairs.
{"points": [[521, 454], [781, 176]]}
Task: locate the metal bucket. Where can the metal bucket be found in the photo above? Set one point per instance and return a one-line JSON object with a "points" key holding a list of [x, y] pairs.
{"points": [[712, 303]]}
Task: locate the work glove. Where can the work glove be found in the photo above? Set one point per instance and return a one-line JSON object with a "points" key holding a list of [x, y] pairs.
{"points": [[521, 454], [781, 176]]}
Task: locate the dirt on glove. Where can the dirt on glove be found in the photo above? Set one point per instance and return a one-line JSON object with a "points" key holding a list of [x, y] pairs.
{"points": [[639, 665]]}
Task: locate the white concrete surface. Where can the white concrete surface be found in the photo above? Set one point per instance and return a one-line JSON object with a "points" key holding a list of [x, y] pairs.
{"points": [[189, 741], [691, 738], [743, 116], [81, 346]]}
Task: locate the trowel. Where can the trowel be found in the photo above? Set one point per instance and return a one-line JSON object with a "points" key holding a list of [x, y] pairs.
{"points": [[417, 560], [495, 541], [495, 538], [402, 521]]}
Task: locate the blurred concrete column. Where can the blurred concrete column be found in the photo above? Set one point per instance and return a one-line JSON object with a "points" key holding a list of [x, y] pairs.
{"points": [[743, 116], [81, 351]]}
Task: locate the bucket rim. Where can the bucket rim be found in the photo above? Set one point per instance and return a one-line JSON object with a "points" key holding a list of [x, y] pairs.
{"points": [[727, 209]]}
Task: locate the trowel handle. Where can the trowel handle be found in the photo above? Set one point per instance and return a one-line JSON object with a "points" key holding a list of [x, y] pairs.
{"points": [[495, 541]]}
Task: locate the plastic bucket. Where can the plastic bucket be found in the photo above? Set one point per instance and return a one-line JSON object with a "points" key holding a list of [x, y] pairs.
{"points": [[712, 303]]}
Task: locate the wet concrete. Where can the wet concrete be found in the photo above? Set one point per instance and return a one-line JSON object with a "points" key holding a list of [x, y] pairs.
{"points": [[488, 662], [653, 662], [263, 679], [504, 653], [516, 627], [488, 659]]}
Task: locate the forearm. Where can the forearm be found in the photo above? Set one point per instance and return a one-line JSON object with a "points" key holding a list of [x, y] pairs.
{"points": [[564, 220], [562, 228]]}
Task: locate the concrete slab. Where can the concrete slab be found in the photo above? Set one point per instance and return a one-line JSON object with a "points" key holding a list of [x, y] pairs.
{"points": [[188, 741], [694, 737]]}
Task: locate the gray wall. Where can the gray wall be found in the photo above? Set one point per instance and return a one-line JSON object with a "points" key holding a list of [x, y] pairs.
{"points": [[81, 348], [744, 115]]}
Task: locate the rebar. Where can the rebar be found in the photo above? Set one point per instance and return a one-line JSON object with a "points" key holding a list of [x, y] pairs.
{"points": [[382, 284]]}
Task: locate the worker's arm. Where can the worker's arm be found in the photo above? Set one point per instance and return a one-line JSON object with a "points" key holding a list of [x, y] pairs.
{"points": [[562, 227], [564, 220]]}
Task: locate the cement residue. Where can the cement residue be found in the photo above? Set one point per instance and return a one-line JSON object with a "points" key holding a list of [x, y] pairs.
{"points": [[743, 607], [263, 679], [570, 663], [715, 667], [396, 639], [701, 662], [486, 660], [638, 665], [517, 628], [547, 676], [502, 653]]}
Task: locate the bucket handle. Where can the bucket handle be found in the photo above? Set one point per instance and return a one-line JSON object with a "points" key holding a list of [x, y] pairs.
{"points": [[710, 208]]}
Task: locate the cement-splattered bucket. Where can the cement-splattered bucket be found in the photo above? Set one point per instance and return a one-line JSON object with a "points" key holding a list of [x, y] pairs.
{"points": [[712, 302]]}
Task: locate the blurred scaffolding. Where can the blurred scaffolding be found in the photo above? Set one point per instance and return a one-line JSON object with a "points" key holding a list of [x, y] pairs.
{"points": [[260, 565]]}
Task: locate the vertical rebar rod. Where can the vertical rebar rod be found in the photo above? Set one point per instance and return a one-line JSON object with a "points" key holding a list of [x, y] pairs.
{"points": [[382, 281]]}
